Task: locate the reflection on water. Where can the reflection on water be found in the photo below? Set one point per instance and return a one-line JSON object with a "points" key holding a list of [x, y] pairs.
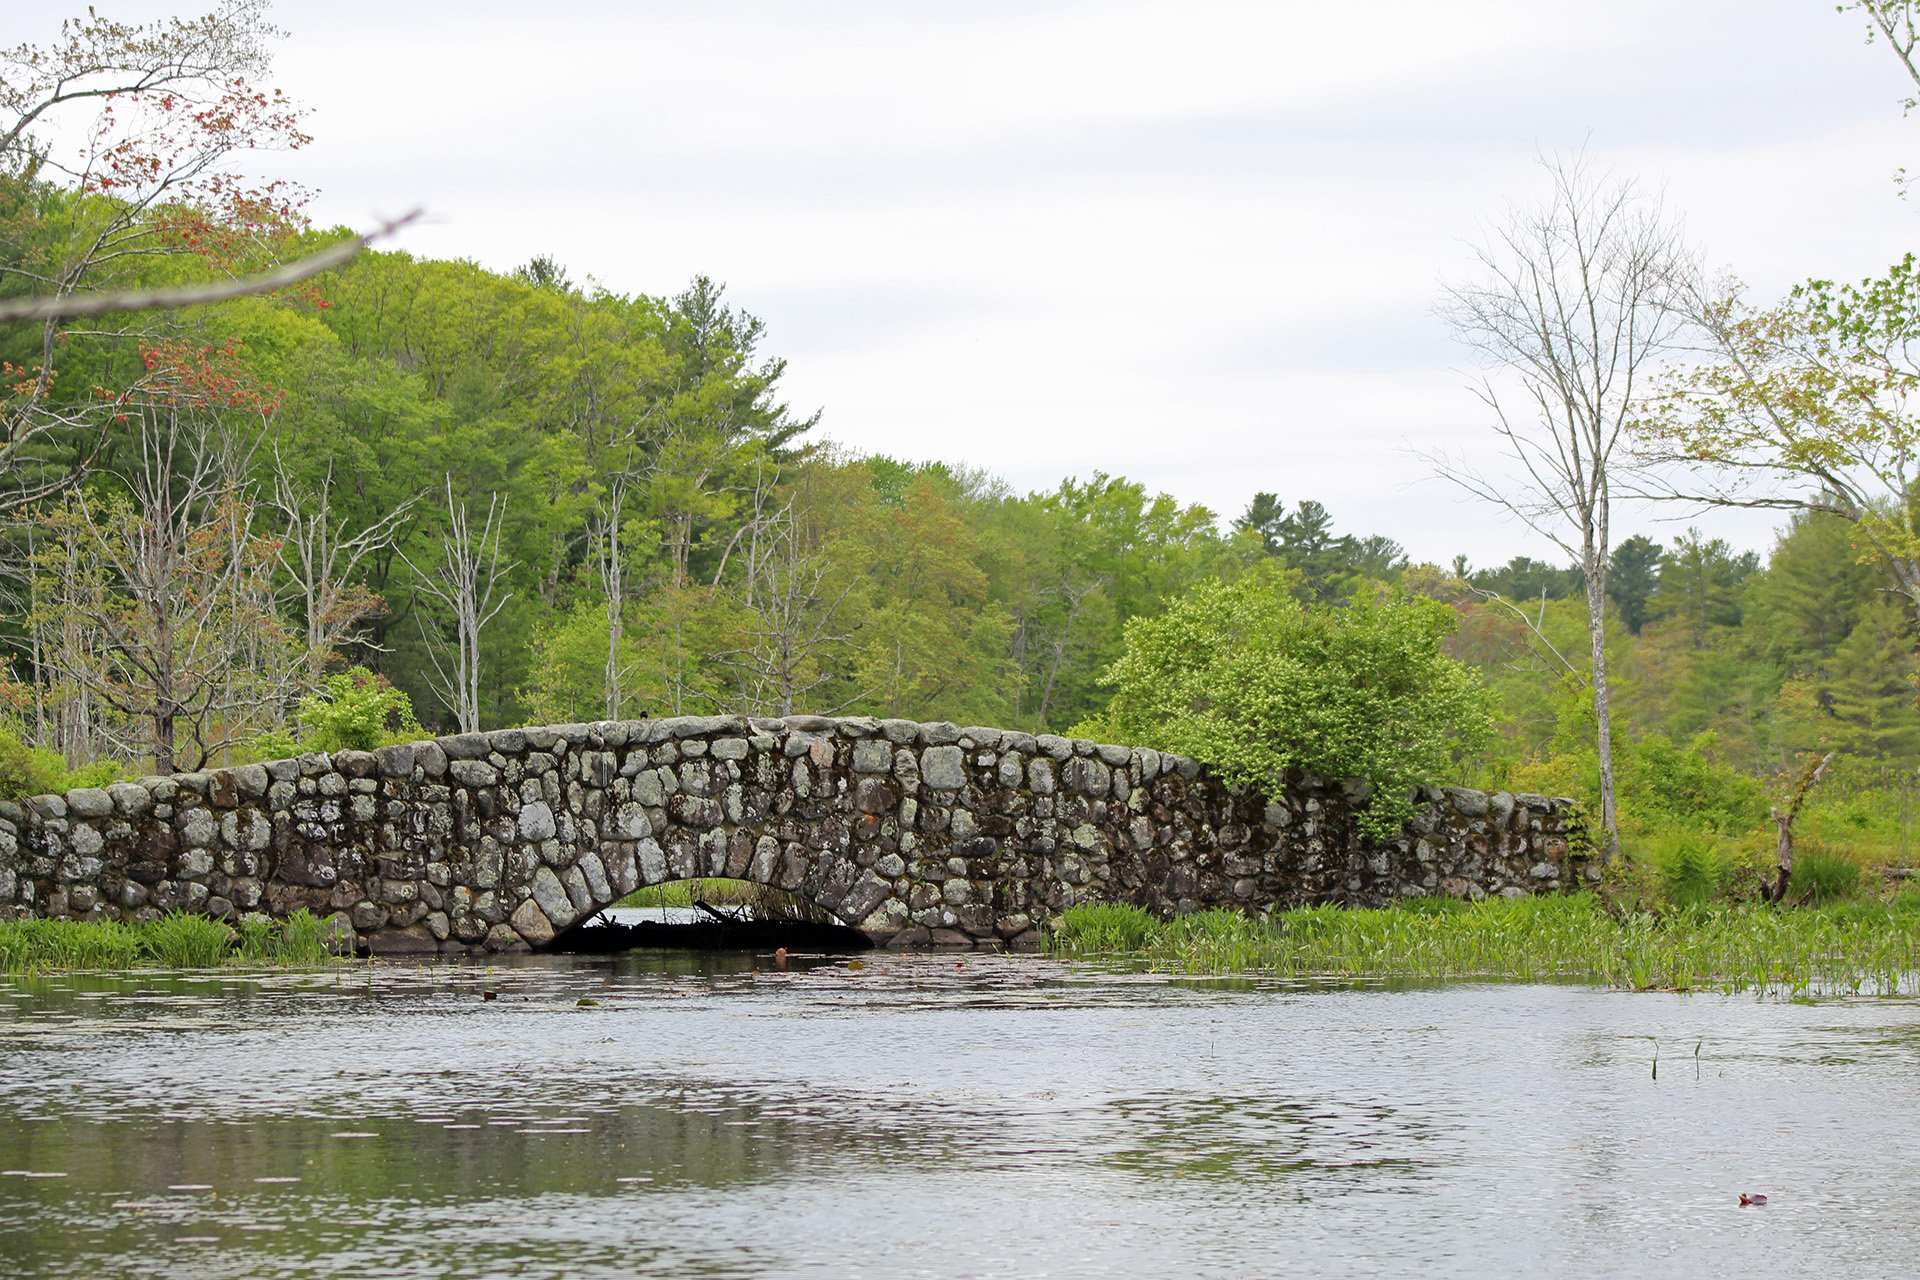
{"points": [[709, 1115]]}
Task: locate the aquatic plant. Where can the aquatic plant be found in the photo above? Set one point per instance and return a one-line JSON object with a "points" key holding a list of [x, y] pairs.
{"points": [[1822, 875], [1848, 948], [176, 941], [1111, 926]]}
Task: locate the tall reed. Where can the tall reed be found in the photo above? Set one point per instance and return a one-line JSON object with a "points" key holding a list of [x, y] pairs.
{"points": [[1849, 948]]}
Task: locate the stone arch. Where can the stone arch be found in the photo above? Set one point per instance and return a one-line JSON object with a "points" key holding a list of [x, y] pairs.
{"points": [[916, 834]]}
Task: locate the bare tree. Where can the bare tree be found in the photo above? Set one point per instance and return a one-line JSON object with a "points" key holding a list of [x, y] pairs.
{"points": [[793, 606], [1575, 301], [610, 564], [156, 602], [467, 585], [319, 554]]}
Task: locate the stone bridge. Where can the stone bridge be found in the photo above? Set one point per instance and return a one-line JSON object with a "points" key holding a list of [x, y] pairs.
{"points": [[916, 834]]}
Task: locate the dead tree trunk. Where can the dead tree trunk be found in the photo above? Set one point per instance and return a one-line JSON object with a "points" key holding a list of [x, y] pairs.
{"points": [[1783, 824]]}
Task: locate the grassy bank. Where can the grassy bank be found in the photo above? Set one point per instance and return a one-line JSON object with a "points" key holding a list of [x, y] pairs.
{"points": [[177, 941], [1845, 948]]}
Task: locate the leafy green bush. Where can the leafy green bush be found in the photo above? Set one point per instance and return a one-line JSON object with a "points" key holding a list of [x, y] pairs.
{"points": [[31, 771], [1248, 679], [27, 771], [1661, 785], [359, 711], [1662, 780], [355, 711], [274, 744]]}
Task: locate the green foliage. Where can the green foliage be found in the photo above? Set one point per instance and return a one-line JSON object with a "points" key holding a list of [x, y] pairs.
{"points": [[1666, 783], [1526, 579], [1633, 572], [1327, 566], [1691, 869], [1699, 585], [1243, 676], [1847, 949], [355, 710], [1093, 928], [30, 771], [1822, 875], [25, 770], [358, 711], [175, 941], [1812, 591]]}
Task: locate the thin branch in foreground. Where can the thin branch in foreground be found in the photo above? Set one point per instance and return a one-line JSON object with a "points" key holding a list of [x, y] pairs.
{"points": [[69, 306]]}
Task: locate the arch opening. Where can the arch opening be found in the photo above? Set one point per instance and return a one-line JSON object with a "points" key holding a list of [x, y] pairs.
{"points": [[712, 913]]}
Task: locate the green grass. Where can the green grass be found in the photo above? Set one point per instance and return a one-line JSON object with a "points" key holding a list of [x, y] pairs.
{"points": [[176, 941], [1848, 948]]}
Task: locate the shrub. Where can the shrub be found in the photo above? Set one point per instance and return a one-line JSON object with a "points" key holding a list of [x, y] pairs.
{"points": [[27, 770], [355, 711], [30, 771], [358, 711], [1248, 679]]}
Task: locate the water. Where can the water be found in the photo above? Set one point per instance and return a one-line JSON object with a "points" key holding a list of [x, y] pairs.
{"points": [[940, 1116]]}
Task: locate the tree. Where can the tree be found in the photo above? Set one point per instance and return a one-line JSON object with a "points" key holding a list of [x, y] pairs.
{"points": [[1309, 544], [1868, 691], [173, 100], [1806, 406], [1575, 302], [1262, 519], [467, 584], [1632, 573], [156, 597], [1897, 23], [1247, 678], [1699, 585], [321, 556], [1812, 591], [1524, 578]]}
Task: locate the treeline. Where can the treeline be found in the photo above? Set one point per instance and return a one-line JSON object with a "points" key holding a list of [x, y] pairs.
{"points": [[420, 488], [669, 537]]}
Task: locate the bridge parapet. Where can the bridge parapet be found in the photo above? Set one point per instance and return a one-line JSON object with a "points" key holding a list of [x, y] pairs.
{"points": [[917, 834]]}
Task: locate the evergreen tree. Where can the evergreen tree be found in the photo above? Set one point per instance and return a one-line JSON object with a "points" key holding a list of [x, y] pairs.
{"points": [[1870, 684], [1699, 584], [1263, 518], [1812, 592], [1632, 573]]}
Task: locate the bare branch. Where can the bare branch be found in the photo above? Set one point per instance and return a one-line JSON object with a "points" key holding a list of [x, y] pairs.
{"points": [[72, 306]]}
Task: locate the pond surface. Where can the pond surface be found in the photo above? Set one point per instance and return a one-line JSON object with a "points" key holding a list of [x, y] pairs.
{"points": [[940, 1116]]}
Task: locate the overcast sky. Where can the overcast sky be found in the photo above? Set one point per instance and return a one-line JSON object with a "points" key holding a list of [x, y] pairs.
{"points": [[1195, 243]]}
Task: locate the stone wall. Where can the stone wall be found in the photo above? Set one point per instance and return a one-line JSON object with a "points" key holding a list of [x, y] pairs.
{"points": [[917, 834]]}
